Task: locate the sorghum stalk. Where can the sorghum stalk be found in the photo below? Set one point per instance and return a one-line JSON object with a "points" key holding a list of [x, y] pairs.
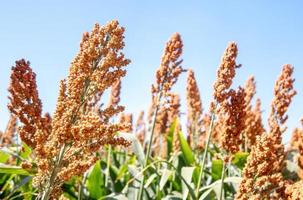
{"points": [[205, 153], [166, 76], [109, 150], [222, 181], [47, 192], [149, 144]]}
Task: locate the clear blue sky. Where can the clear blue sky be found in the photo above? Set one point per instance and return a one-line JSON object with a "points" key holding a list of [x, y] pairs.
{"points": [[269, 34]]}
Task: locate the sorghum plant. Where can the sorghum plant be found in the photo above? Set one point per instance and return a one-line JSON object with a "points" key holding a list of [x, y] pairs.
{"points": [[65, 144]]}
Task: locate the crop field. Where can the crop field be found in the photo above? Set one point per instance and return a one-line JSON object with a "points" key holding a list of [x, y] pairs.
{"points": [[89, 149]]}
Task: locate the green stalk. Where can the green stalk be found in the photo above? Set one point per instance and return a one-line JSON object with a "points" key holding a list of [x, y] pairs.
{"points": [[108, 165], [139, 197], [222, 181], [47, 192], [205, 154]]}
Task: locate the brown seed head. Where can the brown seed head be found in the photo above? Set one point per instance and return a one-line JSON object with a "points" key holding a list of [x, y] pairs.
{"points": [[78, 130], [170, 67], [26, 105], [262, 177], [232, 112], [226, 72], [194, 108], [294, 191], [283, 94], [253, 124]]}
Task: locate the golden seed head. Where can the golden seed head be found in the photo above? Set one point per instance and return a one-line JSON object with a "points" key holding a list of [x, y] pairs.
{"points": [[233, 115], [170, 66], [283, 94], [226, 72], [194, 108]]}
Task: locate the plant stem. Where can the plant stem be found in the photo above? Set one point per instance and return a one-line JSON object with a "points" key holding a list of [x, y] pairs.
{"points": [[47, 192], [222, 181], [139, 197], [205, 154], [107, 165]]}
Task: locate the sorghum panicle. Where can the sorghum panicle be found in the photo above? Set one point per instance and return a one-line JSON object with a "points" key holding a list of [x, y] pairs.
{"points": [[262, 174], [283, 94], [77, 131], [253, 124], [253, 121], [26, 105], [226, 72], [194, 109], [170, 66], [232, 112]]}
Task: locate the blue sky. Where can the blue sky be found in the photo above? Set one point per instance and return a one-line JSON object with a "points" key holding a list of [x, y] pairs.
{"points": [[268, 33]]}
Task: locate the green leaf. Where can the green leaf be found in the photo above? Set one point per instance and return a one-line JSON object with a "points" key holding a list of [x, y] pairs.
{"points": [[216, 169], [8, 169], [186, 150], [3, 157], [239, 159], [150, 180], [113, 173], [186, 173], [215, 186], [164, 178], [114, 197], [135, 145], [205, 194], [170, 137], [94, 182]]}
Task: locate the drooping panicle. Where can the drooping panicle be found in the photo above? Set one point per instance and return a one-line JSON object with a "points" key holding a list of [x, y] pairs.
{"points": [[194, 109]]}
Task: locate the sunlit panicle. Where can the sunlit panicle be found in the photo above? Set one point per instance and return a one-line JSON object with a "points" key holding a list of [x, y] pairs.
{"points": [[170, 66], [65, 146], [226, 72], [283, 94], [194, 109], [233, 116]]}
